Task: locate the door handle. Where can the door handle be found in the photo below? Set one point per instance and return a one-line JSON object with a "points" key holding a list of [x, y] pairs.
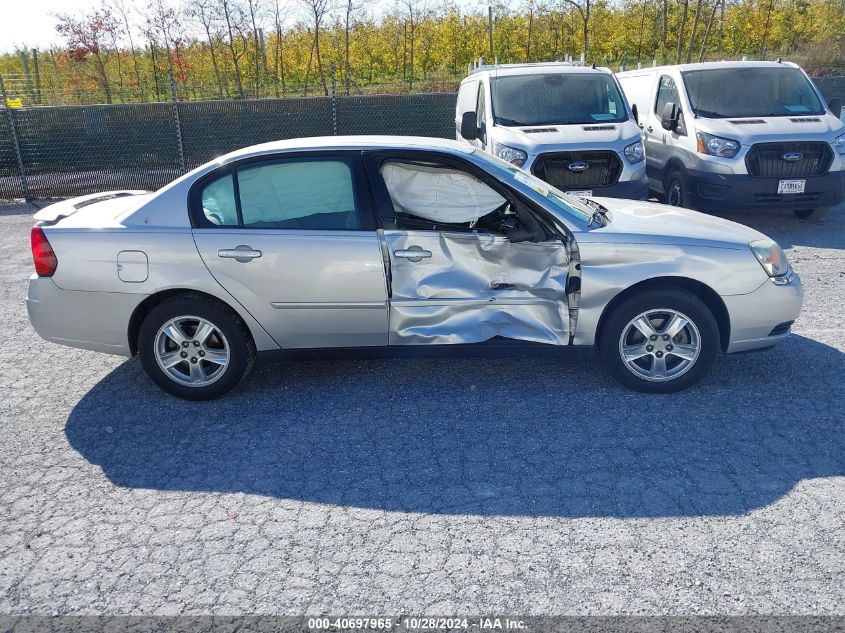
{"points": [[501, 285], [241, 253], [412, 253]]}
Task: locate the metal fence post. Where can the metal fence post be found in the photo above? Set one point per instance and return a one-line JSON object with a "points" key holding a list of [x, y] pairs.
{"points": [[178, 121], [334, 100], [15, 141]]}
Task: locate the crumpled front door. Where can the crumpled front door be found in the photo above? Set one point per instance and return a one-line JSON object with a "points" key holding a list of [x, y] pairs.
{"points": [[468, 287]]}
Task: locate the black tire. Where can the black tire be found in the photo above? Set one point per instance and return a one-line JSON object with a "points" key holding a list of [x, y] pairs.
{"points": [[811, 214], [676, 190], [238, 342], [682, 301]]}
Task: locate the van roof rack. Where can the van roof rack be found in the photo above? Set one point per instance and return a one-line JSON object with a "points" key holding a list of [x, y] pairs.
{"points": [[479, 65]]}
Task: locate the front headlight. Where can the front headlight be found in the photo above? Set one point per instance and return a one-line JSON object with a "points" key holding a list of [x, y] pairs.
{"points": [[771, 257], [717, 146], [511, 154], [634, 152], [839, 144]]}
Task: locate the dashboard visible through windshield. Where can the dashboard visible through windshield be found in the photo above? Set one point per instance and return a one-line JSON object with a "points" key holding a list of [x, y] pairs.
{"points": [[720, 93], [556, 99]]}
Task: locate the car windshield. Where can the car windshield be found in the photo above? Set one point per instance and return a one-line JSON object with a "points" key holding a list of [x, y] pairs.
{"points": [[751, 92], [556, 99], [570, 205]]}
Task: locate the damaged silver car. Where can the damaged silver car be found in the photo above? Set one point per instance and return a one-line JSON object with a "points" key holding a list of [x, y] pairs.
{"points": [[373, 245]]}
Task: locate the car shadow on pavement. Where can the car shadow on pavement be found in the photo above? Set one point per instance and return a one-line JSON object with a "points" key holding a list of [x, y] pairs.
{"points": [[533, 437]]}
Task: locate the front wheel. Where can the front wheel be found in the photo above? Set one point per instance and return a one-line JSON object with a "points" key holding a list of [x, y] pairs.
{"points": [[811, 214], [660, 341], [195, 348], [676, 190]]}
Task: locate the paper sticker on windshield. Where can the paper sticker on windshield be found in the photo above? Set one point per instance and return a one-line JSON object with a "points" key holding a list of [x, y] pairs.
{"points": [[536, 185], [797, 108], [604, 116]]}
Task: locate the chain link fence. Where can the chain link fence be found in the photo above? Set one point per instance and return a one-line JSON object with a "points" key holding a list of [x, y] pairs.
{"points": [[74, 150]]}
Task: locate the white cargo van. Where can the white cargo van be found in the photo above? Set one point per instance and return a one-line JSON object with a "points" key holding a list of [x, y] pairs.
{"points": [[568, 124], [740, 135]]}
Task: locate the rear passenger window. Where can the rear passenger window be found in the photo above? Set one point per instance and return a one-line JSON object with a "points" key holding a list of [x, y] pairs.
{"points": [[304, 193], [218, 202], [315, 194]]}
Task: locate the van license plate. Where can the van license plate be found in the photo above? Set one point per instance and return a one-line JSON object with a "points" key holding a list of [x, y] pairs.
{"points": [[791, 186], [584, 193]]}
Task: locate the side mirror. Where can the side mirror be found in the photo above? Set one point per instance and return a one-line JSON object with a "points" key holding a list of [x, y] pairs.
{"points": [[469, 126], [835, 106], [636, 114], [670, 117]]}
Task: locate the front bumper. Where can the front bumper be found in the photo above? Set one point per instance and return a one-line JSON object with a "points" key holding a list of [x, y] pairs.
{"points": [[629, 189], [755, 316], [97, 321], [710, 191]]}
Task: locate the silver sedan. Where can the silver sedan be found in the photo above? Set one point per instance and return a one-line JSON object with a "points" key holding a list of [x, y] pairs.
{"points": [[397, 245]]}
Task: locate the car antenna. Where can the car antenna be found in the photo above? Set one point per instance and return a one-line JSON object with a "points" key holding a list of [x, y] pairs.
{"points": [[779, 60], [594, 65]]}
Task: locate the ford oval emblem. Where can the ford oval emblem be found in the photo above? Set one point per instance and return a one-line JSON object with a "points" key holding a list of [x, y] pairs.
{"points": [[792, 157], [579, 166]]}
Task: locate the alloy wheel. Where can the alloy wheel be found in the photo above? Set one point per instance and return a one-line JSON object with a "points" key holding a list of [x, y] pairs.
{"points": [[660, 345], [192, 351]]}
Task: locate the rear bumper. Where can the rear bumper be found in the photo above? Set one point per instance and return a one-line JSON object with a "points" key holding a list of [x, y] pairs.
{"points": [[716, 192], [755, 317], [97, 321]]}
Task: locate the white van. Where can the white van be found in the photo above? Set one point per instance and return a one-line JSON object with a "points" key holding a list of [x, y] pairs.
{"points": [[568, 124], [740, 135]]}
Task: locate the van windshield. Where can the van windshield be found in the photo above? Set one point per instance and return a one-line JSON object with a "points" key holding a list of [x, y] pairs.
{"points": [[745, 92], [556, 99]]}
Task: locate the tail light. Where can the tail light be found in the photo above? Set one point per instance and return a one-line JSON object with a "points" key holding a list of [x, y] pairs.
{"points": [[42, 253]]}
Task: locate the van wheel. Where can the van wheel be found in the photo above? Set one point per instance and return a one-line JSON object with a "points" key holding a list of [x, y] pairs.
{"points": [[811, 214], [194, 348], [676, 190], [660, 341]]}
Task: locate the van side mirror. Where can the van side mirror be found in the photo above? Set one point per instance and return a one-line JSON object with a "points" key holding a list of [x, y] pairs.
{"points": [[835, 106], [671, 115], [469, 126], [636, 113]]}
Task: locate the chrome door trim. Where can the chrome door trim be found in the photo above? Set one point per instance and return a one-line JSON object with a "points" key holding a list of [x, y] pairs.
{"points": [[348, 305]]}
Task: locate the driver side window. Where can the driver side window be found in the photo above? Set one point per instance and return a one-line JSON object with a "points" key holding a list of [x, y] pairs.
{"points": [[432, 196], [666, 93]]}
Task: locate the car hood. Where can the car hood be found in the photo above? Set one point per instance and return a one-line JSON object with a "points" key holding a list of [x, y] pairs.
{"points": [[633, 220], [536, 139], [750, 130]]}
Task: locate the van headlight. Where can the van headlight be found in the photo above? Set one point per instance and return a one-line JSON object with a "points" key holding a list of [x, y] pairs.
{"points": [[717, 146], [511, 154], [634, 152], [839, 144], [771, 257]]}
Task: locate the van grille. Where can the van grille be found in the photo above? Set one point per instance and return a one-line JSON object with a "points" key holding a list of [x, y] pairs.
{"points": [[604, 169], [765, 160]]}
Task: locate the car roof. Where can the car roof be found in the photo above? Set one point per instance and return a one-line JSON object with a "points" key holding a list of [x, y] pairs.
{"points": [[361, 142], [712, 66], [549, 68]]}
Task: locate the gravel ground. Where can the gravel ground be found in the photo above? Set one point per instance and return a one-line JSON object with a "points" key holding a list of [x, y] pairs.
{"points": [[429, 486]]}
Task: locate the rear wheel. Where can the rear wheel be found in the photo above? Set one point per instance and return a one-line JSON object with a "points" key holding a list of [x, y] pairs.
{"points": [[811, 214], [660, 341], [195, 348]]}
